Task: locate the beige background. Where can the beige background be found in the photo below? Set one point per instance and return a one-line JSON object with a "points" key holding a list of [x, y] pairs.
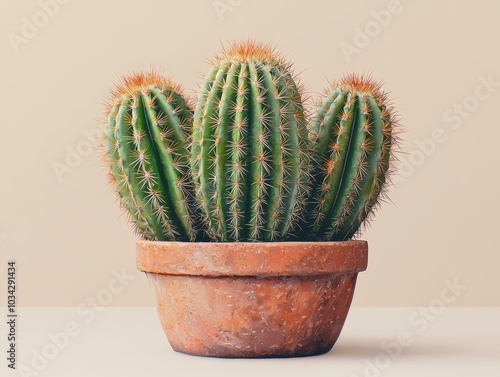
{"points": [[67, 236]]}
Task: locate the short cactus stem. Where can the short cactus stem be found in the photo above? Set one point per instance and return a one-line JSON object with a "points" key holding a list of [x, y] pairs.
{"points": [[353, 140], [249, 154], [147, 151]]}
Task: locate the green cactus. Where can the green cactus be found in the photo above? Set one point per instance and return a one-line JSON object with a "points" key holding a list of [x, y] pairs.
{"points": [[249, 155], [148, 154], [353, 138], [245, 166]]}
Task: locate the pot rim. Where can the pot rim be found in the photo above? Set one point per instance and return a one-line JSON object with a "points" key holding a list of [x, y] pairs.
{"points": [[258, 259]]}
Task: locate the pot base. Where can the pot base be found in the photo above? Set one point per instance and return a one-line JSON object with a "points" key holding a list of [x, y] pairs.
{"points": [[252, 317]]}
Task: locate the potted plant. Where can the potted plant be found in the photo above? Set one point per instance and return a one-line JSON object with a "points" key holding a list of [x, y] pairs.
{"points": [[246, 208]]}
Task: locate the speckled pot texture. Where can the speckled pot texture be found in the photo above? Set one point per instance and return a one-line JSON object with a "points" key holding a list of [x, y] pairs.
{"points": [[252, 299]]}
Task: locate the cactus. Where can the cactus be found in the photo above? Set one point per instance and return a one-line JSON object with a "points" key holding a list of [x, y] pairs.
{"points": [[353, 142], [148, 154], [249, 154], [244, 166]]}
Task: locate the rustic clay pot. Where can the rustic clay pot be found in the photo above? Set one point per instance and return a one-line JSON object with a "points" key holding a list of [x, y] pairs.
{"points": [[252, 299]]}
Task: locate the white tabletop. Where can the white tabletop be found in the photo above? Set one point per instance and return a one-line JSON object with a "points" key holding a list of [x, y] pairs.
{"points": [[375, 342]]}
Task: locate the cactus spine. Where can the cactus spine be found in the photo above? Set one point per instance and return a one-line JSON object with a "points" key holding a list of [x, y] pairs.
{"points": [[249, 154], [353, 132], [148, 154]]}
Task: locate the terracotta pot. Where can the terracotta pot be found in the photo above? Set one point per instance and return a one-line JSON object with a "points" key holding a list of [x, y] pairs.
{"points": [[252, 299]]}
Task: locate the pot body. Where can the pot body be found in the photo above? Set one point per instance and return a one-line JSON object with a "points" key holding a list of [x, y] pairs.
{"points": [[252, 299]]}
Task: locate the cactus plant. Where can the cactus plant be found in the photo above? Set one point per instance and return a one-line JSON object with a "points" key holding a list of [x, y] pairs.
{"points": [[147, 150], [353, 142], [249, 154], [244, 165]]}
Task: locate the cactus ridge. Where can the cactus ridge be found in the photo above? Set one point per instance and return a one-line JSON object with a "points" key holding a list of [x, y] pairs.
{"points": [[149, 157], [249, 151], [353, 141]]}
